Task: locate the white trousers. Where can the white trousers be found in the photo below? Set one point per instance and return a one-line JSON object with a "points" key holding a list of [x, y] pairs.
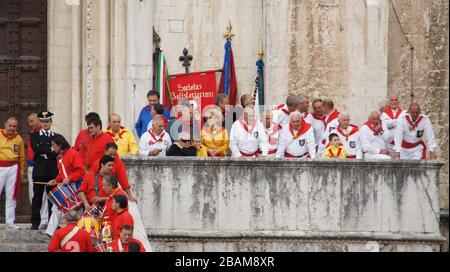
{"points": [[53, 223], [376, 156], [414, 153], [44, 207], [8, 181]]}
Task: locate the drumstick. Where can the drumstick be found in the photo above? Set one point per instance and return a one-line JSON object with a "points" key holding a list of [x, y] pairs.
{"points": [[41, 183]]}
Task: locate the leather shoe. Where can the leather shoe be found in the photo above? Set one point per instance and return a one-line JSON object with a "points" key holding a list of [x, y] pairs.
{"points": [[34, 227]]}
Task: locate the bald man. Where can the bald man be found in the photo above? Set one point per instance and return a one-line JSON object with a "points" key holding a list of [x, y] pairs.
{"points": [[155, 142], [348, 136], [374, 137], [123, 138], [297, 139], [409, 137], [391, 116]]}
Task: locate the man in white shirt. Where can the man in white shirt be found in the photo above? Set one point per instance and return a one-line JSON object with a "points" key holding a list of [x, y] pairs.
{"points": [[374, 137], [272, 131], [409, 143], [391, 116], [297, 139], [247, 136], [348, 136], [282, 112], [303, 108], [331, 123], [155, 142], [318, 121]]}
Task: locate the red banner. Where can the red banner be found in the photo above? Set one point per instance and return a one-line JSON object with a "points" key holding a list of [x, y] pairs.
{"points": [[200, 88]]}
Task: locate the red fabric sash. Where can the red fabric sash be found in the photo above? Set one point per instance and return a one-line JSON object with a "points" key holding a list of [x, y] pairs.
{"points": [[351, 156], [390, 113], [332, 116], [271, 152], [413, 124], [248, 154], [304, 127], [353, 131], [156, 138], [245, 126], [288, 155], [409, 145], [369, 125], [18, 183]]}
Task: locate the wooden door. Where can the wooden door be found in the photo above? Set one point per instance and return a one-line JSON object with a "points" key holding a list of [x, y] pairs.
{"points": [[23, 72]]}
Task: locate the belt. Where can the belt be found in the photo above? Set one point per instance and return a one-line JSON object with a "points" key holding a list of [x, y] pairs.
{"points": [[288, 155], [8, 163], [351, 156], [248, 154], [271, 152], [408, 145]]}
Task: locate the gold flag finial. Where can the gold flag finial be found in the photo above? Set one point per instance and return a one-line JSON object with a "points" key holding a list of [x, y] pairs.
{"points": [[229, 34], [261, 53]]}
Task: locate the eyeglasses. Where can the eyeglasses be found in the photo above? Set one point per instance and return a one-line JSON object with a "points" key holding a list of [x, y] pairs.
{"points": [[45, 121], [186, 141]]}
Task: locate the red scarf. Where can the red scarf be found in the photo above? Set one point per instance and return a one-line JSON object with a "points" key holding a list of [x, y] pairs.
{"points": [[375, 132], [353, 131], [276, 128], [113, 135], [156, 138], [338, 152], [244, 125], [333, 115], [390, 113], [303, 129], [413, 124], [5, 134], [281, 107]]}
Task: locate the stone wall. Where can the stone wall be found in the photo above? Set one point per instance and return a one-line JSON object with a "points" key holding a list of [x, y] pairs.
{"points": [[295, 205], [425, 23]]}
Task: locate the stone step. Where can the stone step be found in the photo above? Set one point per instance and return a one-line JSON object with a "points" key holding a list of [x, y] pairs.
{"points": [[21, 236], [23, 247]]}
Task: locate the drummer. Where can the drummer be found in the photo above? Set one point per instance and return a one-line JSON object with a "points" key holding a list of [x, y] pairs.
{"points": [[111, 188], [71, 171], [91, 190]]}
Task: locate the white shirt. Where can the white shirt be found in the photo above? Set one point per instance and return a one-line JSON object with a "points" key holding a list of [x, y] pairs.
{"points": [[371, 143], [351, 142], [273, 134], [299, 146], [318, 128], [391, 123], [249, 141], [332, 125], [150, 142], [415, 135], [307, 117], [282, 116]]}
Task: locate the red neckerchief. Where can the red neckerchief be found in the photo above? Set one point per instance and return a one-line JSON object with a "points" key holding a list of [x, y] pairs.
{"points": [[333, 115], [245, 126], [276, 128], [322, 119], [353, 131], [7, 136], [369, 125], [303, 129], [390, 113], [156, 138], [338, 152], [305, 115], [281, 107], [413, 124], [214, 132], [113, 135]]}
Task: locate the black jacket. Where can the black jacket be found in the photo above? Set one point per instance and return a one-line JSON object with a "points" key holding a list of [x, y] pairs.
{"points": [[174, 150], [45, 166]]}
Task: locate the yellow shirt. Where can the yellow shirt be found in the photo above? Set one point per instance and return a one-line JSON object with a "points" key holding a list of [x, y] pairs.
{"points": [[125, 142], [12, 149], [334, 152], [216, 139], [203, 152]]}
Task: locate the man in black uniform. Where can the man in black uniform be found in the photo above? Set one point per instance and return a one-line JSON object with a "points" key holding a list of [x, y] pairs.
{"points": [[45, 167]]}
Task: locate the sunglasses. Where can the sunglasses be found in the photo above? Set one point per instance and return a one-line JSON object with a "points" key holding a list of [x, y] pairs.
{"points": [[45, 121], [186, 141]]}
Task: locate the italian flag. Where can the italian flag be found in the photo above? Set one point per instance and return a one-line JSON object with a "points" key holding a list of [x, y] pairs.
{"points": [[162, 81]]}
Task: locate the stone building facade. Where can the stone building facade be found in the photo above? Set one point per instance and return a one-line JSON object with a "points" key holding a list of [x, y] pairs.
{"points": [[100, 53]]}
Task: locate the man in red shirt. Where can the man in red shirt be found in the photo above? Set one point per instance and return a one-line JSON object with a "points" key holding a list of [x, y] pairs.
{"points": [[80, 141], [91, 189], [123, 217], [95, 143], [126, 238], [118, 170], [71, 238], [111, 188]]}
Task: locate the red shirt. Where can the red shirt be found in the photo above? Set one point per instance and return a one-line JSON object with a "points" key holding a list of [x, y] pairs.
{"points": [[88, 186], [80, 143], [109, 214], [80, 242], [118, 170], [30, 152], [115, 245], [95, 147], [73, 165], [121, 219]]}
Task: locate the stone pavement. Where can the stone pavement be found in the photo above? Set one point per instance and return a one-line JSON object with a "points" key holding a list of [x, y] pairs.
{"points": [[23, 240]]}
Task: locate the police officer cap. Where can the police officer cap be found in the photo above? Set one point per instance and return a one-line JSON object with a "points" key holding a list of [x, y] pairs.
{"points": [[45, 115]]}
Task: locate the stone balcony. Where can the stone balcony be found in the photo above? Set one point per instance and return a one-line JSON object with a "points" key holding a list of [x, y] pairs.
{"points": [[196, 204]]}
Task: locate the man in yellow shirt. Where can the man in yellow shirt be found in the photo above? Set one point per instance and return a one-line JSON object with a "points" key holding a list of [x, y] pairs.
{"points": [[123, 138], [12, 163]]}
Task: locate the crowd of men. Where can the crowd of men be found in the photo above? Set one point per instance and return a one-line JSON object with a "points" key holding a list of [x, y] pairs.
{"points": [[94, 167]]}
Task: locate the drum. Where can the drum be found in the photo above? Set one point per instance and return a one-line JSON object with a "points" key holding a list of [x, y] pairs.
{"points": [[65, 198], [91, 225]]}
